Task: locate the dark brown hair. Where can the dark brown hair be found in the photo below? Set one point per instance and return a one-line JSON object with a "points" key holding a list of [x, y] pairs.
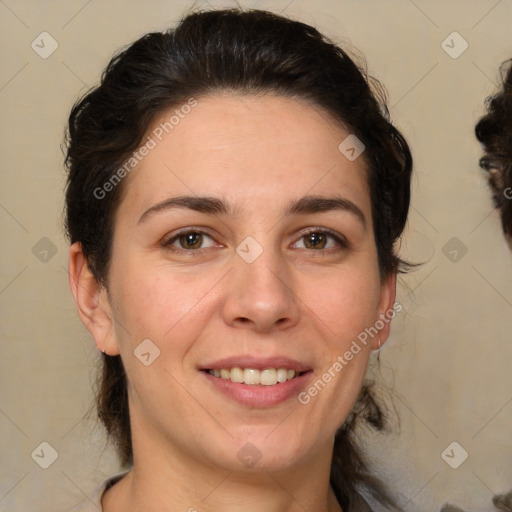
{"points": [[503, 502], [494, 131], [252, 52]]}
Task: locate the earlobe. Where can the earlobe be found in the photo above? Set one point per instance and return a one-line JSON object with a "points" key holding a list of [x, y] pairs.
{"points": [[386, 311], [91, 301]]}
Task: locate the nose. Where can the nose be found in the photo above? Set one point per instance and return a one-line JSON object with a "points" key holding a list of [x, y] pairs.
{"points": [[260, 295]]}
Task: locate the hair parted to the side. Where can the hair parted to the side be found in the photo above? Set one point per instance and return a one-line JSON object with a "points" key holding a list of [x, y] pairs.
{"points": [[249, 52], [494, 131]]}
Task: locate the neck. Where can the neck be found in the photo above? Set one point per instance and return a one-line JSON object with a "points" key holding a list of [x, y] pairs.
{"points": [[165, 480]]}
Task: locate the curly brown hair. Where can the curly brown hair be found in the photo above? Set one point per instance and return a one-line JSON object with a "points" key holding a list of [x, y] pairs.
{"points": [[494, 131]]}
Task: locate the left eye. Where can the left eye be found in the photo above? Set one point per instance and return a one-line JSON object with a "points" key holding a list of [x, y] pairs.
{"points": [[190, 240], [320, 240]]}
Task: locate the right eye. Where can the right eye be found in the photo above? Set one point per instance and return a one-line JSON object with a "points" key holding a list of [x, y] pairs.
{"points": [[189, 240]]}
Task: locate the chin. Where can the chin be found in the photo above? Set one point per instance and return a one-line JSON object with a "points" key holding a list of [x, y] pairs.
{"points": [[254, 453]]}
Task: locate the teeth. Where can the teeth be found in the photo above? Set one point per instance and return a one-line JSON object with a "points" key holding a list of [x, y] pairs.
{"points": [[282, 375], [253, 377], [268, 377], [237, 375]]}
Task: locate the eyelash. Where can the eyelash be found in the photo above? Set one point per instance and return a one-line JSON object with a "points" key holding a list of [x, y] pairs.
{"points": [[340, 240]]}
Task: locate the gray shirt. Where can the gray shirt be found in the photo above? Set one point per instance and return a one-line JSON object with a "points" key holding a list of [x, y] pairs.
{"points": [[93, 502]]}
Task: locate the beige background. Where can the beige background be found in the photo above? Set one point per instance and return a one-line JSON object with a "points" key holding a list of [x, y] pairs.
{"points": [[449, 357]]}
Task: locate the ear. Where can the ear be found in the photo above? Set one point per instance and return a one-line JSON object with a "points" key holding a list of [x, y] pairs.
{"points": [[91, 301], [386, 310]]}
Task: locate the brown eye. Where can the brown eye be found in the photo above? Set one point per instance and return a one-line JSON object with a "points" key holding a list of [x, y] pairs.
{"points": [[189, 241], [315, 240], [321, 240]]}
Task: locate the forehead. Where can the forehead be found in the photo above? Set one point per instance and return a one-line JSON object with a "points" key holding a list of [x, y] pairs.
{"points": [[243, 147]]}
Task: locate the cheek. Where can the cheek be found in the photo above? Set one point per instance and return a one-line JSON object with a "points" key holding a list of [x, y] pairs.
{"points": [[162, 306], [346, 303], [345, 308]]}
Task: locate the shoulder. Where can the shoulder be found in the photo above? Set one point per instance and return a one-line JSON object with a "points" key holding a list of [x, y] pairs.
{"points": [[93, 502]]}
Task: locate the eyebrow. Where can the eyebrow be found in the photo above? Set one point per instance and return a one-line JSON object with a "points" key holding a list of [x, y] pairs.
{"points": [[317, 204], [211, 205]]}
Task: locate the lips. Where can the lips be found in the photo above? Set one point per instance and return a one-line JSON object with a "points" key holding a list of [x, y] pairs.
{"points": [[257, 363], [257, 382]]}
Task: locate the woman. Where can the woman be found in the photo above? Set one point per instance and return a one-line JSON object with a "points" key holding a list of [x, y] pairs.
{"points": [[494, 131], [234, 194]]}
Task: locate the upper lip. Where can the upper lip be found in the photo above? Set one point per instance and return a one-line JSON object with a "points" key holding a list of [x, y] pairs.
{"points": [[258, 363]]}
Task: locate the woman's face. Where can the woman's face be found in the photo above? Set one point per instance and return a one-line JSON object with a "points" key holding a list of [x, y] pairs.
{"points": [[244, 240]]}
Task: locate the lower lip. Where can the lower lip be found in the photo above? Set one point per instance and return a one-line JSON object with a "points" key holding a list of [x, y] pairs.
{"points": [[260, 396]]}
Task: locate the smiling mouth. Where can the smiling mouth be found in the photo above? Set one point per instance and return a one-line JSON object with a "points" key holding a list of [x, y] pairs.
{"points": [[254, 377]]}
